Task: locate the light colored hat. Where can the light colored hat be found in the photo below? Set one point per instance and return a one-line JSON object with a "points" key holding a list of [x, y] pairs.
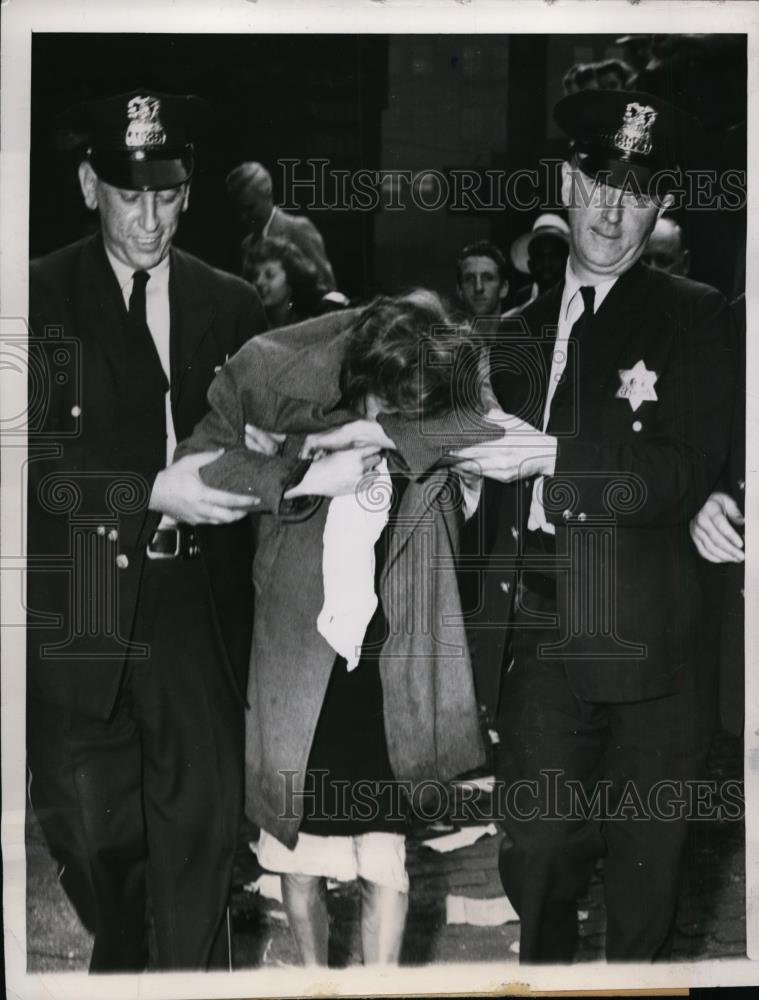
{"points": [[545, 225]]}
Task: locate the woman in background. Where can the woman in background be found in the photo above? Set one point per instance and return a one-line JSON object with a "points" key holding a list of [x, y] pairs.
{"points": [[288, 282]]}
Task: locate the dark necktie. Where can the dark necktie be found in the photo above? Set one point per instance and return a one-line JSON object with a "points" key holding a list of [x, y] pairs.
{"points": [[558, 420], [144, 386], [141, 343], [588, 294]]}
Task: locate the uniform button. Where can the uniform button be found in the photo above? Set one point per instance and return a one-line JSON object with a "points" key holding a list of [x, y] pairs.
{"points": [[741, 485], [76, 411], [582, 516], [637, 426], [113, 535], [505, 587], [514, 532], [122, 561], [101, 529], [567, 514]]}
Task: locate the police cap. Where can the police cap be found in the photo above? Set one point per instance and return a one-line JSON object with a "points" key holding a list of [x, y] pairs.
{"points": [[625, 136], [141, 141]]}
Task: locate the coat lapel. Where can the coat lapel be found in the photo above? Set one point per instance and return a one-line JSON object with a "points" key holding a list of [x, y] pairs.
{"points": [[101, 307], [193, 309], [617, 319], [418, 504], [520, 359]]}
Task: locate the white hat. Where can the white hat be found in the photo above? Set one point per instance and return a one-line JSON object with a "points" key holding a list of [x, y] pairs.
{"points": [[548, 224]]}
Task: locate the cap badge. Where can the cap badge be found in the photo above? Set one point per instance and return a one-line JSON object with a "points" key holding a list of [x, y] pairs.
{"points": [[634, 135], [145, 128]]}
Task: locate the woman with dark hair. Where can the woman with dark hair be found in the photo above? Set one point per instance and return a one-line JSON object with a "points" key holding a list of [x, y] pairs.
{"points": [[360, 690], [287, 281]]}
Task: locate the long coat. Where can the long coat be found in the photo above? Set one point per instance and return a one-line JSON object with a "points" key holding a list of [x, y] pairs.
{"points": [[634, 465], [88, 515], [288, 381]]}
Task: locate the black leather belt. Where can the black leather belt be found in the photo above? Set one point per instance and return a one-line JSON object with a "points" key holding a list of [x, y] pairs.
{"points": [[174, 543]]}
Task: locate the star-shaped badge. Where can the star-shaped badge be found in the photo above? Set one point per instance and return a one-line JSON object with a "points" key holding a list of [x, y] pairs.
{"points": [[637, 385]]}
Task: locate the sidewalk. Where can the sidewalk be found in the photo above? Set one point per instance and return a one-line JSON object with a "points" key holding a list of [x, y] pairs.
{"points": [[711, 920]]}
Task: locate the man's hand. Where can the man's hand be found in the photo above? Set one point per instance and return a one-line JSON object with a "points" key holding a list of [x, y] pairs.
{"points": [[522, 452], [264, 442], [713, 533], [336, 474], [180, 492], [358, 434]]}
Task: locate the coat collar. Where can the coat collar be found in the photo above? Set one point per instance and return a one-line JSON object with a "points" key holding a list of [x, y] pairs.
{"points": [[311, 370], [99, 298], [192, 307], [615, 321]]}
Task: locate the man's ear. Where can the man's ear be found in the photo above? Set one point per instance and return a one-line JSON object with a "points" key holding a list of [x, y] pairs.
{"points": [[88, 182], [566, 185], [685, 257], [186, 201], [504, 290]]}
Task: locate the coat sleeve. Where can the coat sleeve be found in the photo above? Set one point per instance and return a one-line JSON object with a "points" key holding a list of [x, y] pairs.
{"points": [[250, 317], [664, 477], [239, 394]]}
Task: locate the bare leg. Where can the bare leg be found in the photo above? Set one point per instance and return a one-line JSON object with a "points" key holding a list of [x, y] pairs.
{"points": [[383, 921], [305, 899]]}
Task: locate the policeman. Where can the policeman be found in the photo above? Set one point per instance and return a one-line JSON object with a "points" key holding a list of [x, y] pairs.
{"points": [[139, 589], [627, 377]]}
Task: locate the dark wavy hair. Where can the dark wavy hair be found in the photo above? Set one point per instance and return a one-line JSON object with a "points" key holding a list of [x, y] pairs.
{"points": [[406, 350], [303, 278]]}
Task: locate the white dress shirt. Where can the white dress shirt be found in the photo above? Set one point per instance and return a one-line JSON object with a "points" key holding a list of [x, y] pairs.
{"points": [[158, 315], [569, 312], [267, 224]]}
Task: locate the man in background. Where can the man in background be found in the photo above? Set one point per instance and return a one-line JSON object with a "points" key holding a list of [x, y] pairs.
{"points": [[481, 280], [666, 250], [249, 189], [541, 253]]}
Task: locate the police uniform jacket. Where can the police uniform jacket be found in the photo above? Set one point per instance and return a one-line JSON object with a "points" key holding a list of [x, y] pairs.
{"points": [[88, 517], [635, 462]]}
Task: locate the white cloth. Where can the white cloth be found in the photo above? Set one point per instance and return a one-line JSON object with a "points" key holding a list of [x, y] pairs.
{"points": [[377, 857], [570, 311], [354, 523], [158, 314]]}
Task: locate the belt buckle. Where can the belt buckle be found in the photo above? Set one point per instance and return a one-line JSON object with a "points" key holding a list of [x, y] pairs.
{"points": [[165, 555]]}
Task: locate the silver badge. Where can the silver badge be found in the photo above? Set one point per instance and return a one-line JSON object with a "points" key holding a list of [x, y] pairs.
{"points": [[636, 385], [145, 128], [634, 135]]}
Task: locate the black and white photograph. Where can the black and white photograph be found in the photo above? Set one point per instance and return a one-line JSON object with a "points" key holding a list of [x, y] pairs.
{"points": [[377, 498]]}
